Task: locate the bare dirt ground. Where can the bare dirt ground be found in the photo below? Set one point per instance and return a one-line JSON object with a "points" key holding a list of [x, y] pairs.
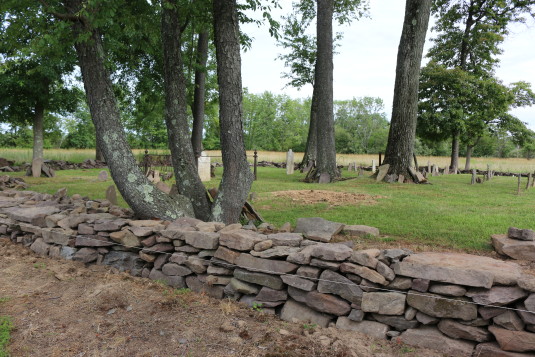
{"points": [[333, 198], [63, 308]]}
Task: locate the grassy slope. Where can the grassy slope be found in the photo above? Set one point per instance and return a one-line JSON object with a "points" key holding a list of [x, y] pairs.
{"points": [[449, 213]]}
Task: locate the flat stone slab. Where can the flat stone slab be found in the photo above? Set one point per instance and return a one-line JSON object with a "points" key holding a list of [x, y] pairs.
{"points": [[311, 226], [515, 341], [271, 281], [492, 349], [384, 303], [497, 295], [430, 337], [334, 283], [334, 252], [293, 311], [438, 306], [514, 248], [286, 239], [251, 263], [28, 214], [459, 268], [371, 328], [522, 234], [457, 330]]}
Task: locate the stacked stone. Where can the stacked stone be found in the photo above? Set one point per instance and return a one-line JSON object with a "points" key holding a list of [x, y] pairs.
{"points": [[516, 244], [458, 303]]}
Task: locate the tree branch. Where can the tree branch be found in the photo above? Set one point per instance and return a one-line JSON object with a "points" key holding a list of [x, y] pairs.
{"points": [[61, 16]]}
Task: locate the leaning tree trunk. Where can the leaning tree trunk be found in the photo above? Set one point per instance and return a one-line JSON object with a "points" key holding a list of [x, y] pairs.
{"points": [[143, 197], [198, 93], [38, 131], [400, 146], [187, 177], [311, 147], [98, 154], [454, 162], [237, 177], [326, 150]]}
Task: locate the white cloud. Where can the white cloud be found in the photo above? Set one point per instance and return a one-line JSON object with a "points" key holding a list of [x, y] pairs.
{"points": [[366, 62]]}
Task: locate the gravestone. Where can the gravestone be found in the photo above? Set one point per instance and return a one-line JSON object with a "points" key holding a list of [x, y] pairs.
{"points": [[154, 176], [360, 171], [111, 195], [383, 170], [446, 170], [429, 166], [473, 177], [325, 178], [203, 167], [162, 186], [373, 166], [434, 170], [37, 165], [103, 175], [401, 179], [290, 162]]}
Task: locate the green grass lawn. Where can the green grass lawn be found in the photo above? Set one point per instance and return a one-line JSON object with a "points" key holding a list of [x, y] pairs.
{"points": [[449, 213]]}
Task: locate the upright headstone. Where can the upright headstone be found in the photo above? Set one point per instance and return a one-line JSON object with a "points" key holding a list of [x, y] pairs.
{"points": [[203, 167], [324, 178], [519, 179], [290, 162], [111, 195], [373, 166], [528, 185], [533, 181], [434, 170], [37, 165], [401, 178], [473, 177], [360, 171], [383, 170], [429, 166], [488, 172], [103, 175]]}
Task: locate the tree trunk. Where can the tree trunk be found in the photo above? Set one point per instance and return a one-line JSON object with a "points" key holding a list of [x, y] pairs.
{"points": [[237, 177], [146, 200], [98, 154], [400, 146], [323, 81], [469, 151], [188, 181], [311, 147], [454, 163], [198, 93], [38, 131]]}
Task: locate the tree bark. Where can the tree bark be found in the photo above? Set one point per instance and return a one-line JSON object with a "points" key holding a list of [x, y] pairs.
{"points": [[400, 146], [198, 93], [323, 81], [237, 177], [188, 181], [38, 131], [454, 163], [310, 155], [146, 200], [469, 151]]}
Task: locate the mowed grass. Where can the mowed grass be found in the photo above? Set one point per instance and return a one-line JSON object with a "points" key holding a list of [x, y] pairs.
{"points": [[448, 213]]}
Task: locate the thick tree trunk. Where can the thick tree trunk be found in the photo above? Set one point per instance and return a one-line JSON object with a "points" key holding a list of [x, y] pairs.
{"points": [[454, 162], [143, 197], [323, 81], [188, 181], [38, 131], [400, 146], [98, 154], [237, 177], [311, 147], [469, 151], [198, 93]]}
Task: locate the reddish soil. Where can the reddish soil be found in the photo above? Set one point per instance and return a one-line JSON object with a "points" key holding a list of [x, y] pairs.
{"points": [[63, 308], [333, 198]]}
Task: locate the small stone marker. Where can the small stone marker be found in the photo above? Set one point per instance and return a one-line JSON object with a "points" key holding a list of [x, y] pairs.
{"points": [[37, 165], [528, 185], [203, 167], [290, 162], [446, 170], [325, 178], [434, 170], [519, 179], [429, 166], [162, 186], [401, 179], [473, 177], [373, 166], [383, 170], [360, 171], [111, 195], [103, 175]]}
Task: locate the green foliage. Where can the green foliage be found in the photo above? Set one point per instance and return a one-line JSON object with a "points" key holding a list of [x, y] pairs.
{"points": [[361, 126], [257, 306], [274, 122], [5, 334]]}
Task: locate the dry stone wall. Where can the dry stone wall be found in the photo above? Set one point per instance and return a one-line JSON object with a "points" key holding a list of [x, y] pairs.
{"points": [[459, 304]]}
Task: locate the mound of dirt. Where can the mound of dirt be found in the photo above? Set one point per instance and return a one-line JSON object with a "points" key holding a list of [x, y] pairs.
{"points": [[333, 198], [63, 308]]}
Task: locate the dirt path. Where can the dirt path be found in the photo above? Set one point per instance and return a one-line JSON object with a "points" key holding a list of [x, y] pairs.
{"points": [[62, 308]]}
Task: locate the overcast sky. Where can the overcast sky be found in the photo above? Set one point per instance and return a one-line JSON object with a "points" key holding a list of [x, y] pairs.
{"points": [[366, 61]]}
